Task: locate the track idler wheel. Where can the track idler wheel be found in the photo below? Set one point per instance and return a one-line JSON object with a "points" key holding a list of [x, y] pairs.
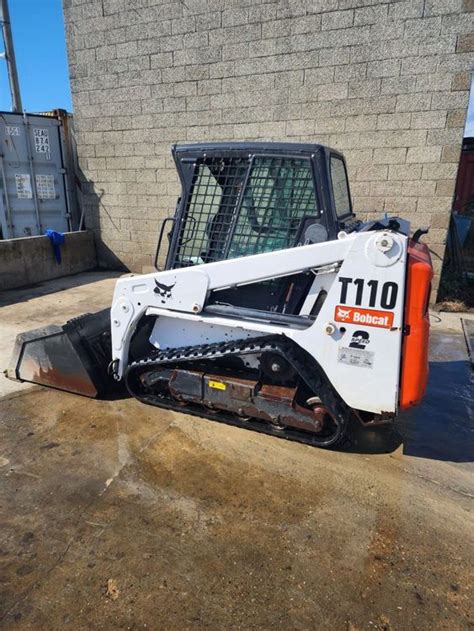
{"points": [[276, 368]]}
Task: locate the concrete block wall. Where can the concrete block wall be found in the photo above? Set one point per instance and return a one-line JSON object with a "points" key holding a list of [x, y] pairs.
{"points": [[384, 81]]}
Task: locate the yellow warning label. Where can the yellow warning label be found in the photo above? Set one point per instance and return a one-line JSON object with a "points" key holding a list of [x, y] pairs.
{"points": [[218, 385]]}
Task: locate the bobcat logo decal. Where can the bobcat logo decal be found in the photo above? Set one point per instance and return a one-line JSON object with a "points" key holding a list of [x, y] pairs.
{"points": [[165, 291], [343, 314]]}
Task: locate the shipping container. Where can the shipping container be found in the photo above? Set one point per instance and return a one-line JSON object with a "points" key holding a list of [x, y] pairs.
{"points": [[36, 171]]}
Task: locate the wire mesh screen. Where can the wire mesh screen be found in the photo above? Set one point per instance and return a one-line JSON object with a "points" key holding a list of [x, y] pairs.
{"points": [[238, 207]]}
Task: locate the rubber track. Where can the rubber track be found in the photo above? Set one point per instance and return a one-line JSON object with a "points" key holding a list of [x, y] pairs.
{"points": [[186, 355]]}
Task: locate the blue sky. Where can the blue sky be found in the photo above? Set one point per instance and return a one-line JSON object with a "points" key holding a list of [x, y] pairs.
{"points": [[469, 130], [40, 47], [38, 33]]}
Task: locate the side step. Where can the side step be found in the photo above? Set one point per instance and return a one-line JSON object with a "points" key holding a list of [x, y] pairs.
{"points": [[73, 357]]}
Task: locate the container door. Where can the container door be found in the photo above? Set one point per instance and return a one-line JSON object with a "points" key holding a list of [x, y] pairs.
{"points": [[34, 175]]}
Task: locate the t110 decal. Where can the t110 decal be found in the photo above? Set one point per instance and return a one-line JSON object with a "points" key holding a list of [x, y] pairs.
{"points": [[372, 293]]}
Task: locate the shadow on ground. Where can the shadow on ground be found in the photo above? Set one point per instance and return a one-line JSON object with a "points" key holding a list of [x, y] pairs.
{"points": [[442, 427]]}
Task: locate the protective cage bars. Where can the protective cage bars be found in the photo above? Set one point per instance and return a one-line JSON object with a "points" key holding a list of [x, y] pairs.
{"points": [[239, 206]]}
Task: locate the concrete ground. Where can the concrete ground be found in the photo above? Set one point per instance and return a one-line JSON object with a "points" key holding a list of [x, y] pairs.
{"points": [[118, 515]]}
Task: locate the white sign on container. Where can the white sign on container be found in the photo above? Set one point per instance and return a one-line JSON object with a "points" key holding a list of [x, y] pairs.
{"points": [[41, 137], [23, 186], [45, 187]]}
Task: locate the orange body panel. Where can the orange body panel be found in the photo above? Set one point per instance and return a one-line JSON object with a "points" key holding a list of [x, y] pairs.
{"points": [[414, 372]]}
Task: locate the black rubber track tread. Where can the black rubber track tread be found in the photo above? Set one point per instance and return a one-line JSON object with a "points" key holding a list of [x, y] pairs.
{"points": [[184, 356]]}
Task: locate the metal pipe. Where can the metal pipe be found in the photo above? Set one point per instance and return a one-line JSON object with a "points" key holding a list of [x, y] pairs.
{"points": [[81, 219], [8, 218], [10, 57], [66, 160]]}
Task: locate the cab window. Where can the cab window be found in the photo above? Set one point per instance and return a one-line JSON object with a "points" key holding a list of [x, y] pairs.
{"points": [[340, 187]]}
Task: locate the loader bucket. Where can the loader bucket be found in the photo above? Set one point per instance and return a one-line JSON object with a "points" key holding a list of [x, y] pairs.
{"points": [[72, 357]]}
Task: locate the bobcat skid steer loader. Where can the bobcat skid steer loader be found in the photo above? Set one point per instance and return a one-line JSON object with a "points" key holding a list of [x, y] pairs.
{"points": [[276, 310]]}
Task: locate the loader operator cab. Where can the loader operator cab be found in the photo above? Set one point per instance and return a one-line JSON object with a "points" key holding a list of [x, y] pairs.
{"points": [[240, 199]]}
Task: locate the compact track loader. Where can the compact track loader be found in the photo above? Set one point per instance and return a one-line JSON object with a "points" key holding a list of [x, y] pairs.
{"points": [[276, 310]]}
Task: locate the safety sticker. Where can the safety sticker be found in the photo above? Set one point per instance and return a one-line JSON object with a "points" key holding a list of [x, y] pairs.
{"points": [[45, 186], [355, 357], [367, 317], [23, 186], [218, 385]]}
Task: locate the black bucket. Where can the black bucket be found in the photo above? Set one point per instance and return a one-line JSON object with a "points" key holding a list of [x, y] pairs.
{"points": [[73, 357]]}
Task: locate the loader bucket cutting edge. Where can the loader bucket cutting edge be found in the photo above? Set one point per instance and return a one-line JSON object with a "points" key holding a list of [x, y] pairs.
{"points": [[73, 357]]}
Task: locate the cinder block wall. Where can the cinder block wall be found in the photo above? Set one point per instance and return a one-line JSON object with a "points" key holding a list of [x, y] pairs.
{"points": [[384, 81]]}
